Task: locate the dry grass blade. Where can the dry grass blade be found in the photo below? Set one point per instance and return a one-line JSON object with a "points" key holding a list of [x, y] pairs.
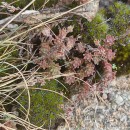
{"points": [[26, 86], [17, 15], [50, 20], [27, 125]]}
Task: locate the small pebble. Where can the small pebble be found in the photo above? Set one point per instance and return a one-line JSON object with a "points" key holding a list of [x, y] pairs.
{"points": [[96, 115], [119, 100], [104, 96]]}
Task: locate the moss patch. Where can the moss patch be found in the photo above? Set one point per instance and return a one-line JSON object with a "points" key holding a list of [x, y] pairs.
{"points": [[45, 106]]}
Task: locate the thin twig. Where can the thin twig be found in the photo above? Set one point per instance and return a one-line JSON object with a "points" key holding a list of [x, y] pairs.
{"points": [[48, 21]]}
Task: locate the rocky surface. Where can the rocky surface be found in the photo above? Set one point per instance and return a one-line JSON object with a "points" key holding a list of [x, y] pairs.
{"points": [[107, 111]]}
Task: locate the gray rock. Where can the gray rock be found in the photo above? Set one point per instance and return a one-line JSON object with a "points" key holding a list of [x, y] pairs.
{"points": [[114, 106], [129, 97], [111, 96], [105, 3], [99, 111], [119, 100], [115, 128], [123, 118], [127, 103], [125, 96], [128, 124], [104, 96]]}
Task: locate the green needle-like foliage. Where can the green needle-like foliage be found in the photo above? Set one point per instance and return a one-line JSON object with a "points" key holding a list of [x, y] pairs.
{"points": [[45, 105]]}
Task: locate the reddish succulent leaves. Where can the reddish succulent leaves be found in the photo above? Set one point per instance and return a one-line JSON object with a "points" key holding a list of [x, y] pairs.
{"points": [[109, 41], [108, 73], [89, 70], [69, 80], [109, 54], [76, 62], [64, 31], [88, 56], [77, 57], [43, 64], [70, 43], [80, 47]]}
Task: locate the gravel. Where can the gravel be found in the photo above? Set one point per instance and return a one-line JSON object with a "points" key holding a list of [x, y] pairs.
{"points": [[91, 113]]}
